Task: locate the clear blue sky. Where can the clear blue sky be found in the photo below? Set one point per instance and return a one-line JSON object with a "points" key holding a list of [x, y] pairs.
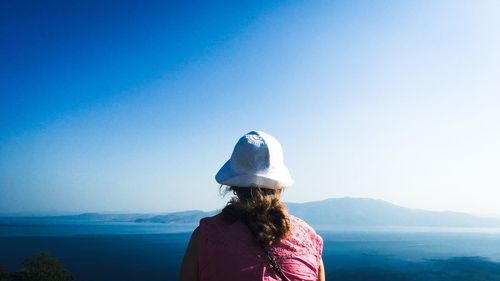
{"points": [[134, 105]]}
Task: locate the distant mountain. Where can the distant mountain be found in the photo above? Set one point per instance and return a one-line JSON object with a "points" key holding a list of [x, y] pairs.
{"points": [[354, 212], [186, 217], [85, 217], [104, 217], [330, 212], [369, 212]]}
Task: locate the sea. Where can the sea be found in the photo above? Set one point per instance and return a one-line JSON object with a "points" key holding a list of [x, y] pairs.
{"points": [[108, 251]]}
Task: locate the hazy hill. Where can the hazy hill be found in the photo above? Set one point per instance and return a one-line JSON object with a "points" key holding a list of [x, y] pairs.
{"points": [[370, 212], [178, 217], [80, 218], [330, 212], [354, 212]]}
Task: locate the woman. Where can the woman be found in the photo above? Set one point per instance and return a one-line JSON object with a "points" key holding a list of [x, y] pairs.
{"points": [[254, 238]]}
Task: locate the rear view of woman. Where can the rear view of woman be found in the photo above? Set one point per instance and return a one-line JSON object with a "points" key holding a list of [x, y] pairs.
{"points": [[254, 238]]}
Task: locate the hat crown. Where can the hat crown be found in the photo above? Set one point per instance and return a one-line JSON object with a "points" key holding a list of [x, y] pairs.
{"points": [[256, 151], [256, 160]]}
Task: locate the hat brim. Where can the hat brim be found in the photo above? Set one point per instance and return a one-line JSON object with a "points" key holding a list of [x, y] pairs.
{"points": [[265, 179]]}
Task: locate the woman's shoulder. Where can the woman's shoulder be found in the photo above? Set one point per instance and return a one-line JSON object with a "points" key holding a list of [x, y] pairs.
{"points": [[305, 235], [211, 227], [211, 220], [217, 222]]}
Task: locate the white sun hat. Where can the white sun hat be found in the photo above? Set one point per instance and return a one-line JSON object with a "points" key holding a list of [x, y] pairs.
{"points": [[256, 161]]}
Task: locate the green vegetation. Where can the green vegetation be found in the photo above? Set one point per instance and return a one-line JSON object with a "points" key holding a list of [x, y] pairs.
{"points": [[40, 267], [3, 275]]}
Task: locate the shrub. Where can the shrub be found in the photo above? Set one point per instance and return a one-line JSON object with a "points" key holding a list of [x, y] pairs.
{"points": [[43, 267]]}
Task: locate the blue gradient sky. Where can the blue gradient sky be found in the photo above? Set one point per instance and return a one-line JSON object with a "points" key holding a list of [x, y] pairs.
{"points": [[134, 105]]}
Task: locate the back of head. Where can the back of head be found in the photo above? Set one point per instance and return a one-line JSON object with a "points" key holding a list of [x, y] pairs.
{"points": [[261, 210], [256, 174]]}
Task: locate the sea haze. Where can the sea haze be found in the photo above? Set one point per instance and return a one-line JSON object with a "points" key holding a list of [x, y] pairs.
{"points": [[150, 247]]}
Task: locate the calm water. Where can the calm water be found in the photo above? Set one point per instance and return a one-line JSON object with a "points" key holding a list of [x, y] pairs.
{"points": [[121, 251]]}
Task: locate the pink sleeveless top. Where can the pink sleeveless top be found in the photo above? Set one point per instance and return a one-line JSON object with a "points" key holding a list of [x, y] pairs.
{"points": [[230, 252]]}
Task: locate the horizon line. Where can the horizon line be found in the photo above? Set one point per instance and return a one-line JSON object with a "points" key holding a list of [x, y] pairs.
{"points": [[34, 214]]}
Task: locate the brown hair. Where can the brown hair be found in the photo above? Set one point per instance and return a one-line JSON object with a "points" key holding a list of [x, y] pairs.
{"points": [[261, 210]]}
